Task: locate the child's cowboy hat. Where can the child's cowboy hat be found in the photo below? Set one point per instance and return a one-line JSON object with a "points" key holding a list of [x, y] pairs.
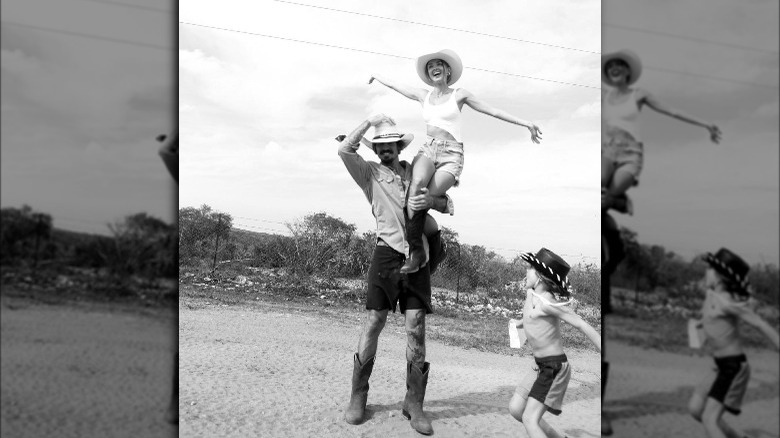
{"points": [[551, 266], [629, 57], [386, 132], [731, 266], [451, 58]]}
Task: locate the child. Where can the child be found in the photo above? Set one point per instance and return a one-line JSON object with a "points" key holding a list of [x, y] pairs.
{"points": [[439, 162], [727, 300], [548, 301]]}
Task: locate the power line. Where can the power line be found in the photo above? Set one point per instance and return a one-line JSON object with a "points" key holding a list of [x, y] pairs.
{"points": [[85, 35], [380, 53], [438, 27], [714, 78], [689, 38], [127, 5]]}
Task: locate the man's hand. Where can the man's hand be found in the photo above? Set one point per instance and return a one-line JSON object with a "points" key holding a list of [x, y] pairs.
{"points": [[378, 118], [422, 201]]}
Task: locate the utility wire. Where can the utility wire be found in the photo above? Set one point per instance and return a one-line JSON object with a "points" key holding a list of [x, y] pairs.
{"points": [[689, 38], [127, 5], [436, 26], [380, 53], [85, 35]]}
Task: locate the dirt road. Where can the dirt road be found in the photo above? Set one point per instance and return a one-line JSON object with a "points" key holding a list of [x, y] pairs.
{"points": [[82, 370], [267, 370]]}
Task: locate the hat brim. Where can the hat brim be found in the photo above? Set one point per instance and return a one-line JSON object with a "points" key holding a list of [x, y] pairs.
{"points": [[630, 58], [451, 58], [723, 269], [546, 271], [405, 140]]}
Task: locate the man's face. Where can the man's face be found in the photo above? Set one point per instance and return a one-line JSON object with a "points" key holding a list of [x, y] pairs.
{"points": [[387, 152]]}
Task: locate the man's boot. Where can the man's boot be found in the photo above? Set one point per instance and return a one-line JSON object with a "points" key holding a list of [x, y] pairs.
{"points": [[357, 401], [414, 236], [606, 425], [437, 251], [416, 381]]}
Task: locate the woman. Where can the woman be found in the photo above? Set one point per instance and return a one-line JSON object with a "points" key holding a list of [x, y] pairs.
{"points": [[439, 162], [621, 144]]}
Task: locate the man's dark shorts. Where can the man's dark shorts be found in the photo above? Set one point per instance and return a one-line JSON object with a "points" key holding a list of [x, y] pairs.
{"points": [[387, 287]]}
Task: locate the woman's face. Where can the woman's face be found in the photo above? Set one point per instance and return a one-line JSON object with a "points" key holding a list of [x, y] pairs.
{"points": [[617, 71], [438, 70]]}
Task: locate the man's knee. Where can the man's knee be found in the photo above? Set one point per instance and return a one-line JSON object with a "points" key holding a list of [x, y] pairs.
{"points": [[415, 320], [376, 321]]}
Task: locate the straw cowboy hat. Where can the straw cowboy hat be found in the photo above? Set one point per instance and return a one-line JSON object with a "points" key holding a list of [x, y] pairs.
{"points": [[551, 266], [629, 57], [386, 132], [730, 266], [451, 58]]}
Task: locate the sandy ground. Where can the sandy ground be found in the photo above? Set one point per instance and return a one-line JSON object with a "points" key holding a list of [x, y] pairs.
{"points": [[83, 370], [648, 392], [269, 371]]}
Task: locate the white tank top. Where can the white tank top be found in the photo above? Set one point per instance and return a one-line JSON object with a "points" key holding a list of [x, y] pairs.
{"points": [[623, 115], [445, 115]]}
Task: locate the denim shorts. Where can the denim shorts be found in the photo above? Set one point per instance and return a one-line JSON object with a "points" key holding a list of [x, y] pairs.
{"points": [[624, 152], [446, 155]]}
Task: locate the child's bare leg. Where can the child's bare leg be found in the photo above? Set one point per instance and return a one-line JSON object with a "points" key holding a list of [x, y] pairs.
{"points": [[431, 226], [607, 168], [711, 418], [533, 422]]}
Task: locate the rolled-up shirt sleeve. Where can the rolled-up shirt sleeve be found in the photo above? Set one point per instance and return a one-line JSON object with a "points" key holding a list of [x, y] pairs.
{"points": [[357, 167]]}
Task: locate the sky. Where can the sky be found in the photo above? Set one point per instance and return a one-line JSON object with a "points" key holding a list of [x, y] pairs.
{"points": [[259, 110], [695, 196], [80, 113]]}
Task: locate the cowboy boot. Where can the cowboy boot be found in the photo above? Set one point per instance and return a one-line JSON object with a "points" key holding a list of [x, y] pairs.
{"points": [[357, 401], [606, 425], [438, 251], [414, 235], [416, 382]]}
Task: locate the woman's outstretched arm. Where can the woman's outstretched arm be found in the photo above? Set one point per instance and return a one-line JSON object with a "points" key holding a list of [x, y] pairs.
{"points": [[485, 108], [659, 107], [413, 93]]}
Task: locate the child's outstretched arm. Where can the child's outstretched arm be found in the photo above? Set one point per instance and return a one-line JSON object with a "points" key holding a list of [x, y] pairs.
{"points": [[413, 93], [485, 108], [657, 106], [747, 314], [567, 314]]}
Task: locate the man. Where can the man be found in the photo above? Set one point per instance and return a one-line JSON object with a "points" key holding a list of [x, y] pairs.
{"points": [[169, 152], [385, 185]]}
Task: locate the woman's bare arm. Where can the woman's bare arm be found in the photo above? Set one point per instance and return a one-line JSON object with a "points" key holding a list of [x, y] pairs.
{"points": [[413, 93], [656, 105], [485, 108]]}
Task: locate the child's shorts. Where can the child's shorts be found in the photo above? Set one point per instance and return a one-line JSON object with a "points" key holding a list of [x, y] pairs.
{"points": [[548, 383], [727, 382], [625, 153], [446, 155]]}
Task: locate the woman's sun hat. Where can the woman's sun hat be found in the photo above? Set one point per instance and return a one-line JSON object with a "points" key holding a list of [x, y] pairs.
{"points": [[627, 56], [451, 58]]}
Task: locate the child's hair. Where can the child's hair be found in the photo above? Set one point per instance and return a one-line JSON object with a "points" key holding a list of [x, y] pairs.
{"points": [[552, 287], [733, 287]]}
